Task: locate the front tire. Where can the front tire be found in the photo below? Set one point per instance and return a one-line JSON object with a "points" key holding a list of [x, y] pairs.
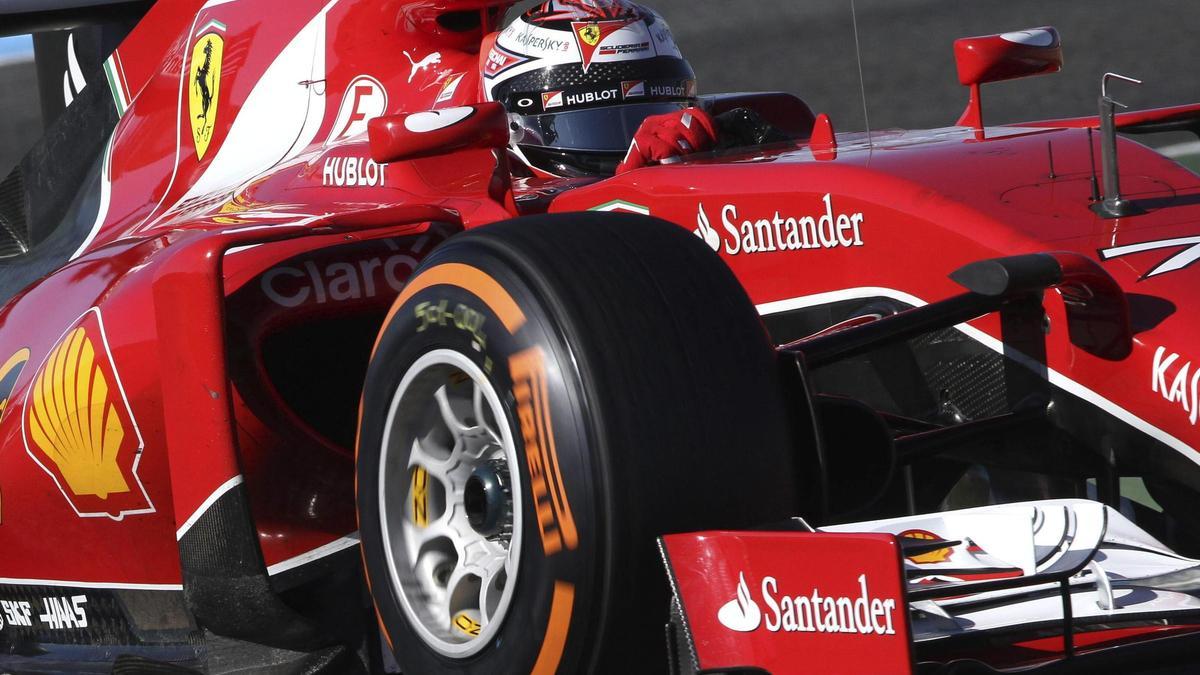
{"points": [[547, 396]]}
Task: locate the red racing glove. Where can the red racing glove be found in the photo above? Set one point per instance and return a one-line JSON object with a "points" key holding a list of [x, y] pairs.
{"points": [[671, 135]]}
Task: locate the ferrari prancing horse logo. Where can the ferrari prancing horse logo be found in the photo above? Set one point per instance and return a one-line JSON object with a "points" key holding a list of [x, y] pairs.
{"points": [[205, 89], [590, 34]]}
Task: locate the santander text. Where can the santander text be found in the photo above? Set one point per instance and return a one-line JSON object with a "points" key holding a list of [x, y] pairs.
{"points": [[787, 233], [816, 613]]}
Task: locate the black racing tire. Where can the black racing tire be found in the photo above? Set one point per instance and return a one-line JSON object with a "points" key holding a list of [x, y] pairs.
{"points": [[662, 401]]}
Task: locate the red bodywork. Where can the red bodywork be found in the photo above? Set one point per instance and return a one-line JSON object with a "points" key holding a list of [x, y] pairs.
{"points": [[199, 255], [785, 598]]}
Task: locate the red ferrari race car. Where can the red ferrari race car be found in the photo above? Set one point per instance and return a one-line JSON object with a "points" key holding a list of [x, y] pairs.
{"points": [[311, 365]]}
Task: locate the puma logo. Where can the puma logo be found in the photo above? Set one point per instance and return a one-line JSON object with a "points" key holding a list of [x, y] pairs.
{"points": [[424, 64]]}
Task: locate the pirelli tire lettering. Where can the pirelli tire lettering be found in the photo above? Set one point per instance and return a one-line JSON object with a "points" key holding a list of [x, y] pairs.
{"points": [[555, 522], [594, 465]]}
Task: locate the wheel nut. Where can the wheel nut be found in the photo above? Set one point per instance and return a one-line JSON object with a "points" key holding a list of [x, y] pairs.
{"points": [[486, 498], [441, 574]]}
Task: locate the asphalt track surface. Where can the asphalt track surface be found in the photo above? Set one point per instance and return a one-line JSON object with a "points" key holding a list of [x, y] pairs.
{"points": [[807, 47]]}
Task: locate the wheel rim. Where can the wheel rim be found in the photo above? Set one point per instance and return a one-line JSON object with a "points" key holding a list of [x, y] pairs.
{"points": [[450, 503]]}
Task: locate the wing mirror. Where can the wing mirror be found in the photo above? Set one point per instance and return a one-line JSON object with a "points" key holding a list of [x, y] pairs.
{"points": [[1006, 56], [395, 138]]}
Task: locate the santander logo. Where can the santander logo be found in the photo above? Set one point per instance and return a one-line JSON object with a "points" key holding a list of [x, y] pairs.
{"points": [[808, 613], [705, 231], [740, 614], [829, 227]]}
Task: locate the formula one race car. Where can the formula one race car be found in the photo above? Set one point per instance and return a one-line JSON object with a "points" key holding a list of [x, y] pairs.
{"points": [[298, 377]]}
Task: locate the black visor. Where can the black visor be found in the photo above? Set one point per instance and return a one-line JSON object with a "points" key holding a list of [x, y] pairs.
{"points": [[608, 129]]}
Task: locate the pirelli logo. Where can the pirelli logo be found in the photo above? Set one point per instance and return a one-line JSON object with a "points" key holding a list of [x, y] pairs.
{"points": [[555, 521]]}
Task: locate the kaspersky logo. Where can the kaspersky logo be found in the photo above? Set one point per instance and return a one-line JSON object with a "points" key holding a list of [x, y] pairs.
{"points": [[813, 612]]}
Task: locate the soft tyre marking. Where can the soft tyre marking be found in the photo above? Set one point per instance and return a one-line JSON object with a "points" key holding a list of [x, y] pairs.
{"points": [[561, 606], [470, 279]]}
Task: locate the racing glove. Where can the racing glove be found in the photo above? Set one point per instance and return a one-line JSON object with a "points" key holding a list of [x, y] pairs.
{"points": [[671, 135]]}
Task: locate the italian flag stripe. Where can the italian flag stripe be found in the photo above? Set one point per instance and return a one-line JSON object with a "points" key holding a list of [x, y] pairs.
{"points": [[114, 86]]}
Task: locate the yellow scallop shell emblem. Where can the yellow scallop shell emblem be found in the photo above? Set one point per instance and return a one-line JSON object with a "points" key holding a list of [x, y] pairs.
{"points": [[73, 421], [935, 556]]}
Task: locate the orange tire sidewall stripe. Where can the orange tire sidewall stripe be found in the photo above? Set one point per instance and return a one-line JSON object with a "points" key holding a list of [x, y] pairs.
{"points": [[561, 606], [471, 279]]}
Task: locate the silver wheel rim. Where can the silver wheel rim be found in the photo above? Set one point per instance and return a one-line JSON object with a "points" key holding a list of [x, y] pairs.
{"points": [[452, 580]]}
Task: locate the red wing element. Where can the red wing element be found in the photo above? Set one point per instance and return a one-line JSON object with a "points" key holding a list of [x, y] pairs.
{"points": [[767, 599], [434, 132]]}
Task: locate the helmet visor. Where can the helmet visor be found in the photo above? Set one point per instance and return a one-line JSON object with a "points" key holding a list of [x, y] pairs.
{"points": [[606, 129]]}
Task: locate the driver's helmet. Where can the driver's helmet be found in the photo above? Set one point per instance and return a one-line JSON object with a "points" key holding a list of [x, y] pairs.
{"points": [[578, 77]]}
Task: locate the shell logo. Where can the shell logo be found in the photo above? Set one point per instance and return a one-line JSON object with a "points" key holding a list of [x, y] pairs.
{"points": [[936, 556], [78, 426]]}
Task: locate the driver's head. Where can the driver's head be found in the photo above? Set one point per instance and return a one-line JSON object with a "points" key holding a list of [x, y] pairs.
{"points": [[579, 76]]}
